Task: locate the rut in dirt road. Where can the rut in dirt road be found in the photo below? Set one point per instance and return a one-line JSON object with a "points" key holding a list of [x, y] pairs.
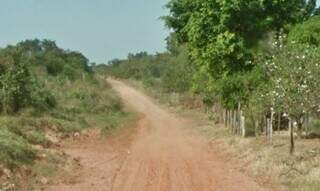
{"points": [[163, 156]]}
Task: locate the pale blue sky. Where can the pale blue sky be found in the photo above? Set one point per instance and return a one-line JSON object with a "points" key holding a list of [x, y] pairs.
{"points": [[101, 29]]}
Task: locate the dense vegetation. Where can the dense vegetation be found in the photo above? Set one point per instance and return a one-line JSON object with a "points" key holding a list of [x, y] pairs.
{"points": [[46, 93], [260, 57], [170, 73]]}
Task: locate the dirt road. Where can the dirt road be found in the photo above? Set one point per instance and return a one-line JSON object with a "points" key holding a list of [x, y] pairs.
{"points": [[161, 156]]}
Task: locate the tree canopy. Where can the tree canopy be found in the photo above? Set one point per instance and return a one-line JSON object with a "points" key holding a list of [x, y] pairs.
{"points": [[221, 35]]}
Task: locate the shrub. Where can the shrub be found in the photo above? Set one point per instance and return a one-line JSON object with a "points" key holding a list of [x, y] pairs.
{"points": [[14, 81], [41, 98]]}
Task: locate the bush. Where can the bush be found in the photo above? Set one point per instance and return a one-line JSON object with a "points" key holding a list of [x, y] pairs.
{"points": [[41, 98], [14, 81]]}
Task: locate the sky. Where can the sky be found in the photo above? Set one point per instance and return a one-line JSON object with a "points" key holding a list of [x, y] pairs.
{"points": [[101, 29]]}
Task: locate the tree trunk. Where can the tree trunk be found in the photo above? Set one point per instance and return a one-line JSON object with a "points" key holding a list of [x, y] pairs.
{"points": [[268, 130], [236, 126], [271, 126], [291, 137], [299, 126], [227, 118], [265, 125]]}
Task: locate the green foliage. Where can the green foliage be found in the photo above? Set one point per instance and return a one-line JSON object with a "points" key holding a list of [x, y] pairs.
{"points": [[44, 88], [114, 122], [223, 36], [57, 61], [166, 72], [179, 73], [295, 75], [41, 97], [307, 32], [53, 62], [22, 82], [15, 151], [14, 81], [249, 19], [30, 129]]}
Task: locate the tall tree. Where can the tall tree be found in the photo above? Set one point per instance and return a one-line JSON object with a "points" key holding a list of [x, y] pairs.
{"points": [[221, 34]]}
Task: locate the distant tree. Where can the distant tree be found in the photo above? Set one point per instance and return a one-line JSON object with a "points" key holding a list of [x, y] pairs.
{"points": [[49, 45], [114, 62], [77, 61], [138, 55], [54, 62], [31, 46]]}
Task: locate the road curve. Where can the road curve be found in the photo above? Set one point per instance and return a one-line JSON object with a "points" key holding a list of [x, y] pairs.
{"points": [[162, 156], [165, 157]]}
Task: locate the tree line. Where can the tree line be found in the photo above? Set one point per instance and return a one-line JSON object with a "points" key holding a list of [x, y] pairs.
{"points": [[257, 58], [23, 65]]}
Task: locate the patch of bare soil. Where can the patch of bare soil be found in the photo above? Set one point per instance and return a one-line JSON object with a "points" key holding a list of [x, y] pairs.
{"points": [[158, 155]]}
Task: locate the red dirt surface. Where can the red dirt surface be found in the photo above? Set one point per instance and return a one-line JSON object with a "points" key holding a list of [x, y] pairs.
{"points": [[158, 155]]}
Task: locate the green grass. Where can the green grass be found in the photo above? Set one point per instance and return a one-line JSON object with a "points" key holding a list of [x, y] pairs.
{"points": [[47, 170], [81, 104], [15, 150], [111, 123]]}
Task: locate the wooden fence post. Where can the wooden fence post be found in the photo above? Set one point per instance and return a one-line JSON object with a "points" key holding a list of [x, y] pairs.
{"points": [[227, 118], [279, 122], [307, 124], [224, 117], [271, 126], [265, 125], [242, 124], [268, 129], [239, 115], [230, 121], [235, 120]]}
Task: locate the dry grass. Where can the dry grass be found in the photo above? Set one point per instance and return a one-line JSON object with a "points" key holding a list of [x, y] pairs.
{"points": [[272, 164]]}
